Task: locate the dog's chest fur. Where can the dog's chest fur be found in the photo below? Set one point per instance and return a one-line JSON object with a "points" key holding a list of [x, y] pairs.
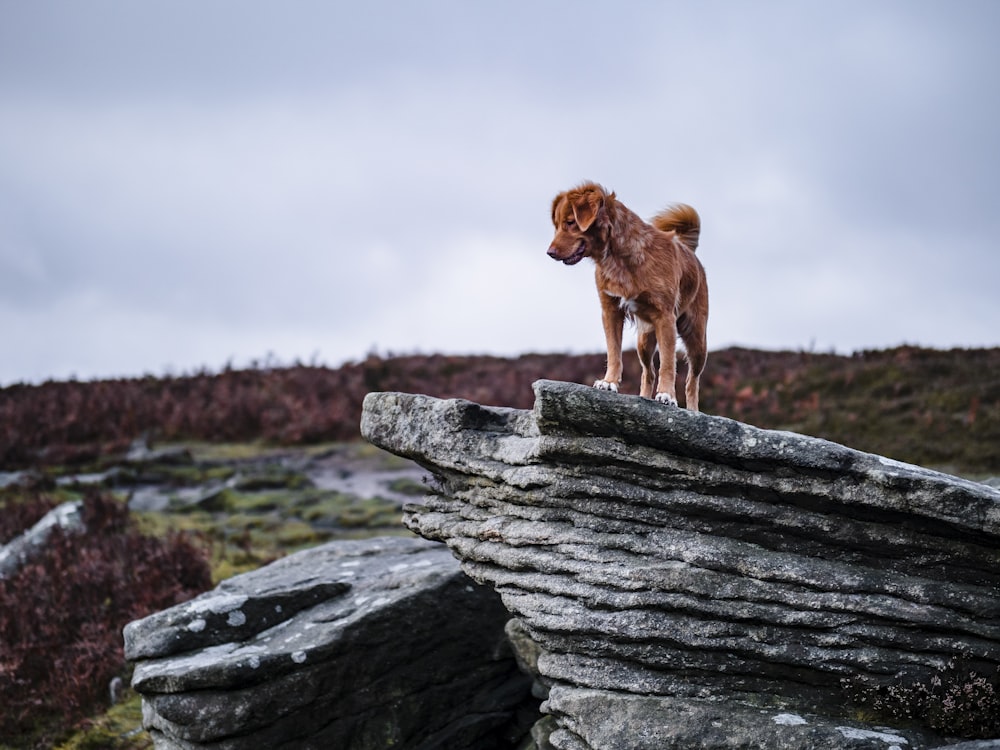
{"points": [[617, 281], [629, 305], [638, 309]]}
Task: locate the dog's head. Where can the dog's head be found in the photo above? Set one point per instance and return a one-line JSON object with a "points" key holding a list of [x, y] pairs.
{"points": [[581, 220]]}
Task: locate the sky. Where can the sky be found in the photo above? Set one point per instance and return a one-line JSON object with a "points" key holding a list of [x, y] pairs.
{"points": [[190, 184]]}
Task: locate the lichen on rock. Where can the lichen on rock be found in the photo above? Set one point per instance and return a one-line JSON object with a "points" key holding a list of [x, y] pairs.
{"points": [[355, 644]]}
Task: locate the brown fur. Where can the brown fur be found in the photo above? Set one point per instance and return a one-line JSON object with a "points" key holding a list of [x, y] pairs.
{"points": [[645, 272]]}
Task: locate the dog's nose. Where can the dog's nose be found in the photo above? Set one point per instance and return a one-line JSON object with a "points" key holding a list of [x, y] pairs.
{"points": [[553, 252]]}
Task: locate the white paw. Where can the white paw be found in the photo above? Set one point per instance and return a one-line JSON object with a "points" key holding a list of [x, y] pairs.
{"points": [[666, 398], [604, 385]]}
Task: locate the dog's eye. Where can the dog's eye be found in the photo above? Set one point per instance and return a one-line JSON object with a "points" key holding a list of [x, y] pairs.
{"points": [[569, 223]]}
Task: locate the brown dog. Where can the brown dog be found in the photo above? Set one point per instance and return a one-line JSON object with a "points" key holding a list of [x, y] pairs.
{"points": [[645, 272]]}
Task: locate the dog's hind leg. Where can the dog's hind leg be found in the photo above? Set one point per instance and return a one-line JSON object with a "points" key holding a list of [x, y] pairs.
{"points": [[695, 342], [666, 340], [646, 347]]}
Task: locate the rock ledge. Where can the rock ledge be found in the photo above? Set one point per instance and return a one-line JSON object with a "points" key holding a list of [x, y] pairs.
{"points": [[692, 581]]}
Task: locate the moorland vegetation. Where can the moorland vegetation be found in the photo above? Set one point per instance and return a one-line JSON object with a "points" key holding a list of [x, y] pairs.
{"points": [[62, 614]]}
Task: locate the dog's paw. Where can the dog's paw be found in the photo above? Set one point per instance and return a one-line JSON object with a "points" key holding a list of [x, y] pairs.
{"points": [[604, 385], [666, 398]]}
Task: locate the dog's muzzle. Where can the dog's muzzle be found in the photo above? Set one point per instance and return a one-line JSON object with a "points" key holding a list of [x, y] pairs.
{"points": [[573, 259]]}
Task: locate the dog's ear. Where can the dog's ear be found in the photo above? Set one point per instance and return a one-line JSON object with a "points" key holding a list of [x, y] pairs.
{"points": [[555, 207], [585, 208]]}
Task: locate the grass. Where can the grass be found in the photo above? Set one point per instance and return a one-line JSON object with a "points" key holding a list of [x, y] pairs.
{"points": [[119, 728], [932, 415], [407, 486], [244, 530]]}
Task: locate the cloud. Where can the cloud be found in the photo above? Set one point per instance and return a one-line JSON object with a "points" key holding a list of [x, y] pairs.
{"points": [[327, 178]]}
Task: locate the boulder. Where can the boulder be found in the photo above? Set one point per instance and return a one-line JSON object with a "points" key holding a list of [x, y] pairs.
{"points": [[692, 581], [358, 644], [68, 517]]}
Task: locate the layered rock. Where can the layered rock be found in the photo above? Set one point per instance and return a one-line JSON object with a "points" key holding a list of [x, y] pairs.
{"points": [[698, 582], [363, 645]]}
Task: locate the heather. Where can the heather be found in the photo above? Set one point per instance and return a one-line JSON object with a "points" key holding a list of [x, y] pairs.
{"points": [[927, 406], [60, 422], [62, 613], [22, 511]]}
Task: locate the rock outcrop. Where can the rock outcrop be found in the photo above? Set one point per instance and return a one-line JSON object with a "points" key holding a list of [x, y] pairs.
{"points": [[363, 645], [692, 581]]}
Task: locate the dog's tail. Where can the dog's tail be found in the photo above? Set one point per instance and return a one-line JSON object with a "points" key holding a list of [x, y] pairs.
{"points": [[684, 220]]}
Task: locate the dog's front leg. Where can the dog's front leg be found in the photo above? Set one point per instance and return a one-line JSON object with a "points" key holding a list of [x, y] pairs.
{"points": [[614, 321]]}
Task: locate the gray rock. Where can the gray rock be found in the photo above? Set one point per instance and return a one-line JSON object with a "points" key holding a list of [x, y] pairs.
{"points": [[600, 719], [89, 479], [22, 478], [11, 478], [140, 453], [209, 496], [360, 645], [699, 566], [15, 553]]}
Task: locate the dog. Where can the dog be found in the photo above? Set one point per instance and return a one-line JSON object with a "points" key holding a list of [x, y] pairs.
{"points": [[646, 273]]}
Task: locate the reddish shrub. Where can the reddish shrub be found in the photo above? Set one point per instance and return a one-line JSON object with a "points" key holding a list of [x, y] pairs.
{"points": [[870, 401], [19, 514], [61, 616]]}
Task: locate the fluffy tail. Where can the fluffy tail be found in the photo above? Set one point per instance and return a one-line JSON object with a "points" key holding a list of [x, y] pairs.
{"points": [[684, 220]]}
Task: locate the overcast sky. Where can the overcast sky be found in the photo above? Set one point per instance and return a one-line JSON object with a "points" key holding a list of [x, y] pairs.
{"points": [[188, 184]]}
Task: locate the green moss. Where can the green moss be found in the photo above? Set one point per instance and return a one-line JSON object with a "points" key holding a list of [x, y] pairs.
{"points": [[407, 486], [256, 502], [219, 452], [372, 512], [337, 509], [118, 729], [325, 505], [161, 524], [195, 474], [272, 478], [374, 456], [298, 534]]}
